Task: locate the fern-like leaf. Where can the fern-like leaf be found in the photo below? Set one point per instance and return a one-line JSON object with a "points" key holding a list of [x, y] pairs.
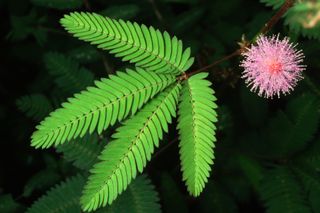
{"points": [[131, 149], [41, 180], [281, 192], [63, 198], [99, 107], [82, 152], [311, 182], [139, 197], [69, 76], [302, 18], [8, 204], [290, 131], [145, 47], [35, 106], [197, 131]]}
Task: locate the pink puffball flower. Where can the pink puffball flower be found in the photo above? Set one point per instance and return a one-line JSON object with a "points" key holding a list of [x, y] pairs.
{"points": [[272, 66]]}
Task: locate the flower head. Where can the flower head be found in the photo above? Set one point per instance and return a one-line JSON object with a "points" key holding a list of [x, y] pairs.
{"points": [[272, 66]]}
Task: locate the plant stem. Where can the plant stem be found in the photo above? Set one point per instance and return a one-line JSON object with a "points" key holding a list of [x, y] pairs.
{"points": [[235, 53], [157, 12], [274, 19], [165, 147], [87, 5], [265, 29]]}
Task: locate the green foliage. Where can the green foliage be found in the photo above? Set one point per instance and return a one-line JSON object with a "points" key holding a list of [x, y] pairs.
{"points": [[55, 199], [35, 106], [128, 153], [254, 108], [251, 169], [197, 131], [311, 182], [58, 4], [217, 198], [40, 181], [268, 154], [290, 131], [187, 19], [24, 26], [82, 152], [99, 107], [140, 197], [172, 198], [146, 95], [126, 11], [145, 47], [85, 53], [274, 3], [68, 74], [281, 192], [302, 18], [8, 204]]}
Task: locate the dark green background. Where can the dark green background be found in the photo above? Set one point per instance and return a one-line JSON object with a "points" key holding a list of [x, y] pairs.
{"points": [[258, 139]]}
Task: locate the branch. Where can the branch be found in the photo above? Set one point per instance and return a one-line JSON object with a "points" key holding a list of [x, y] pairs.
{"points": [[87, 5], [266, 28], [235, 53], [274, 19], [156, 11]]}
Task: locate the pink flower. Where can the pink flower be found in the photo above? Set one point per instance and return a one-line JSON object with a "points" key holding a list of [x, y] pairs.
{"points": [[272, 66]]}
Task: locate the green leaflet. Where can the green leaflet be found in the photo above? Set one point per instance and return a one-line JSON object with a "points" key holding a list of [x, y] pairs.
{"points": [[147, 48], [99, 107], [63, 198], [130, 150], [197, 116]]}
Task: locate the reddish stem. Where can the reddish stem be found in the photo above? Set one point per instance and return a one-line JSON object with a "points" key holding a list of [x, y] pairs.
{"points": [[265, 29]]}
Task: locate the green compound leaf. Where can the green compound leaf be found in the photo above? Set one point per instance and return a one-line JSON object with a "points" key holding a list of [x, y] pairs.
{"points": [[82, 152], [303, 18], [40, 181], [196, 126], [96, 108], [145, 47], [121, 11], [63, 198], [281, 192], [130, 150], [35, 106], [68, 74], [8, 204], [290, 131], [139, 197]]}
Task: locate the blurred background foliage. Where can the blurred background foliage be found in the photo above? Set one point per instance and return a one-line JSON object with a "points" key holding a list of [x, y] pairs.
{"points": [[268, 151]]}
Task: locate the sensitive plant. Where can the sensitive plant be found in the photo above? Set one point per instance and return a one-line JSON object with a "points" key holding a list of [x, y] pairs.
{"points": [[148, 96], [113, 127]]}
